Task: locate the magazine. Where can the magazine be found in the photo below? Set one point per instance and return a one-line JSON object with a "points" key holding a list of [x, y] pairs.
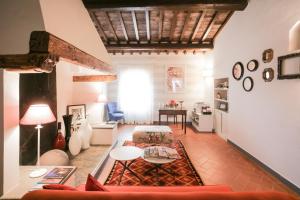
{"points": [[58, 173], [161, 152]]}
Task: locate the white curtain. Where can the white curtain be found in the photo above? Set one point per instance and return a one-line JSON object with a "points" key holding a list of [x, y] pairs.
{"points": [[135, 94]]}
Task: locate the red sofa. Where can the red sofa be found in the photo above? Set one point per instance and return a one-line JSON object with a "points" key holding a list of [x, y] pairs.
{"points": [[157, 193]]}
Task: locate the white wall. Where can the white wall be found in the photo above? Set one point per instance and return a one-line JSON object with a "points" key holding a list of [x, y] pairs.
{"points": [[198, 86], [265, 122], [64, 88], [70, 21], [69, 92], [17, 20], [87, 93], [10, 128]]}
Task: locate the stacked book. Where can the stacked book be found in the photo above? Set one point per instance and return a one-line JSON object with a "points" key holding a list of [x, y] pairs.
{"points": [[161, 152], [58, 175]]}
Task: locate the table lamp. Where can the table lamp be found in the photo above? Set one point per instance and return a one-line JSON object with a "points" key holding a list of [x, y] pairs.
{"points": [[38, 114]]}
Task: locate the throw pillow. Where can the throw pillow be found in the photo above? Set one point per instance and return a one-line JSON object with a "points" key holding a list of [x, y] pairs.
{"points": [[59, 187], [93, 185]]}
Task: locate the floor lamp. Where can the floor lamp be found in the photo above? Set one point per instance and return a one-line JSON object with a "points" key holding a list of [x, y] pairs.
{"points": [[38, 114]]}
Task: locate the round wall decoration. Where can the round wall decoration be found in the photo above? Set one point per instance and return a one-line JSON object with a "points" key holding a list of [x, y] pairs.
{"points": [[248, 83], [268, 74], [238, 71], [252, 65]]}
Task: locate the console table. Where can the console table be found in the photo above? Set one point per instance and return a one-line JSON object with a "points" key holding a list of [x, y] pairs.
{"points": [[27, 184], [174, 112]]}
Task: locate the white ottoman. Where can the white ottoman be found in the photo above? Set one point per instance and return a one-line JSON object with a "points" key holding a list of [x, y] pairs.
{"points": [[104, 134], [152, 134], [54, 157]]}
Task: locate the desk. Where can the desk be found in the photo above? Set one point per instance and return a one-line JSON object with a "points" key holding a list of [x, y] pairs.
{"points": [[174, 112]]}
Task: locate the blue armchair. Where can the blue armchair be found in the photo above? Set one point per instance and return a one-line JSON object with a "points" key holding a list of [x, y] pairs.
{"points": [[113, 113]]}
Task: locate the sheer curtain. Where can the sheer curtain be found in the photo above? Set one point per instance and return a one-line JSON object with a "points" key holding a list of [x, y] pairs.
{"points": [[135, 94]]}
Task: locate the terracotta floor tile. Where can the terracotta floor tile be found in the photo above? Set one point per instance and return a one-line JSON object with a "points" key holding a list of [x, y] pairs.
{"points": [[218, 162]]}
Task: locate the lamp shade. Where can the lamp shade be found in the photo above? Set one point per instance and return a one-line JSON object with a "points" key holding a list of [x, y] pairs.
{"points": [[102, 98], [38, 114]]}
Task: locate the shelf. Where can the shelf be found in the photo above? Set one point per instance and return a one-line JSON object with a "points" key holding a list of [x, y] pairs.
{"points": [[222, 100], [224, 111], [224, 89], [195, 121]]}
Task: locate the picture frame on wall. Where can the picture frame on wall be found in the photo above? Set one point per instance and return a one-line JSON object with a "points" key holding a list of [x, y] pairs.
{"points": [[78, 111], [238, 71], [175, 79]]}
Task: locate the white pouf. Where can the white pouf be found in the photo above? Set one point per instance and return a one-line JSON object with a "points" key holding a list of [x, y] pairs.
{"points": [[54, 157]]}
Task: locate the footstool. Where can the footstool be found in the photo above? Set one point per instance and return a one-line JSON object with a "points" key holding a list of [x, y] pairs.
{"points": [[152, 134]]}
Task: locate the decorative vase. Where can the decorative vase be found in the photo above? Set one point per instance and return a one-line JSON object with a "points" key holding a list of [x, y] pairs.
{"points": [[59, 142], [75, 144], [68, 123]]}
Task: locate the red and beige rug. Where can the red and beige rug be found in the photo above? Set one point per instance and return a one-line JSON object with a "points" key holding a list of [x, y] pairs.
{"points": [[186, 175]]}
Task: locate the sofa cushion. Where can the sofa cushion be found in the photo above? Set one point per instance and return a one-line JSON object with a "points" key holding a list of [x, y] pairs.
{"points": [[58, 187], [93, 185]]}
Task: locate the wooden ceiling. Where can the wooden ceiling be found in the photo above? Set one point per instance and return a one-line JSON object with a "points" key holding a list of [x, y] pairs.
{"points": [[129, 26]]}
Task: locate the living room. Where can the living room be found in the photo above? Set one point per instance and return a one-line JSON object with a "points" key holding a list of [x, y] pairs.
{"points": [[224, 98]]}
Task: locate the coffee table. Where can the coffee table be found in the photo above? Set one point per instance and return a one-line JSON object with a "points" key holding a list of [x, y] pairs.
{"points": [[158, 164], [126, 155]]}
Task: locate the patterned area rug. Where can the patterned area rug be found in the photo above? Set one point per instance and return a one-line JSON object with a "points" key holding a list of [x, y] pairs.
{"points": [[186, 175]]}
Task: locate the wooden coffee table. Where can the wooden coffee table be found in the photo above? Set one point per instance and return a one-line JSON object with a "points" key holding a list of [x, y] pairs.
{"points": [[126, 155]]}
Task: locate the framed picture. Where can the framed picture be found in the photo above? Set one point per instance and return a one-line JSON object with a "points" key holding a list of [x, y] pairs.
{"points": [[289, 66], [78, 111], [175, 79], [238, 71]]}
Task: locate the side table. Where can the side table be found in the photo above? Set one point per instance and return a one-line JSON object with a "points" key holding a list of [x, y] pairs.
{"points": [[126, 155], [27, 184], [104, 134]]}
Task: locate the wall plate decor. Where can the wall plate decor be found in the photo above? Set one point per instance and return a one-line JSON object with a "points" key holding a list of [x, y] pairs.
{"points": [[267, 55], [248, 83], [268, 74], [238, 71], [252, 65], [289, 66]]}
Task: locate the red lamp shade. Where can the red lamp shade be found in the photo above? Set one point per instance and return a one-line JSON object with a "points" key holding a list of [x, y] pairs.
{"points": [[38, 114]]}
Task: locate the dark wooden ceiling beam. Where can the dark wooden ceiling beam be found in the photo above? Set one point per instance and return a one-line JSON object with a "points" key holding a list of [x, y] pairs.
{"points": [[185, 25], [173, 25], [112, 30], [160, 46], [200, 20], [136, 30], [160, 24], [123, 26], [148, 25], [96, 21], [45, 51], [209, 27], [223, 24], [193, 5]]}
